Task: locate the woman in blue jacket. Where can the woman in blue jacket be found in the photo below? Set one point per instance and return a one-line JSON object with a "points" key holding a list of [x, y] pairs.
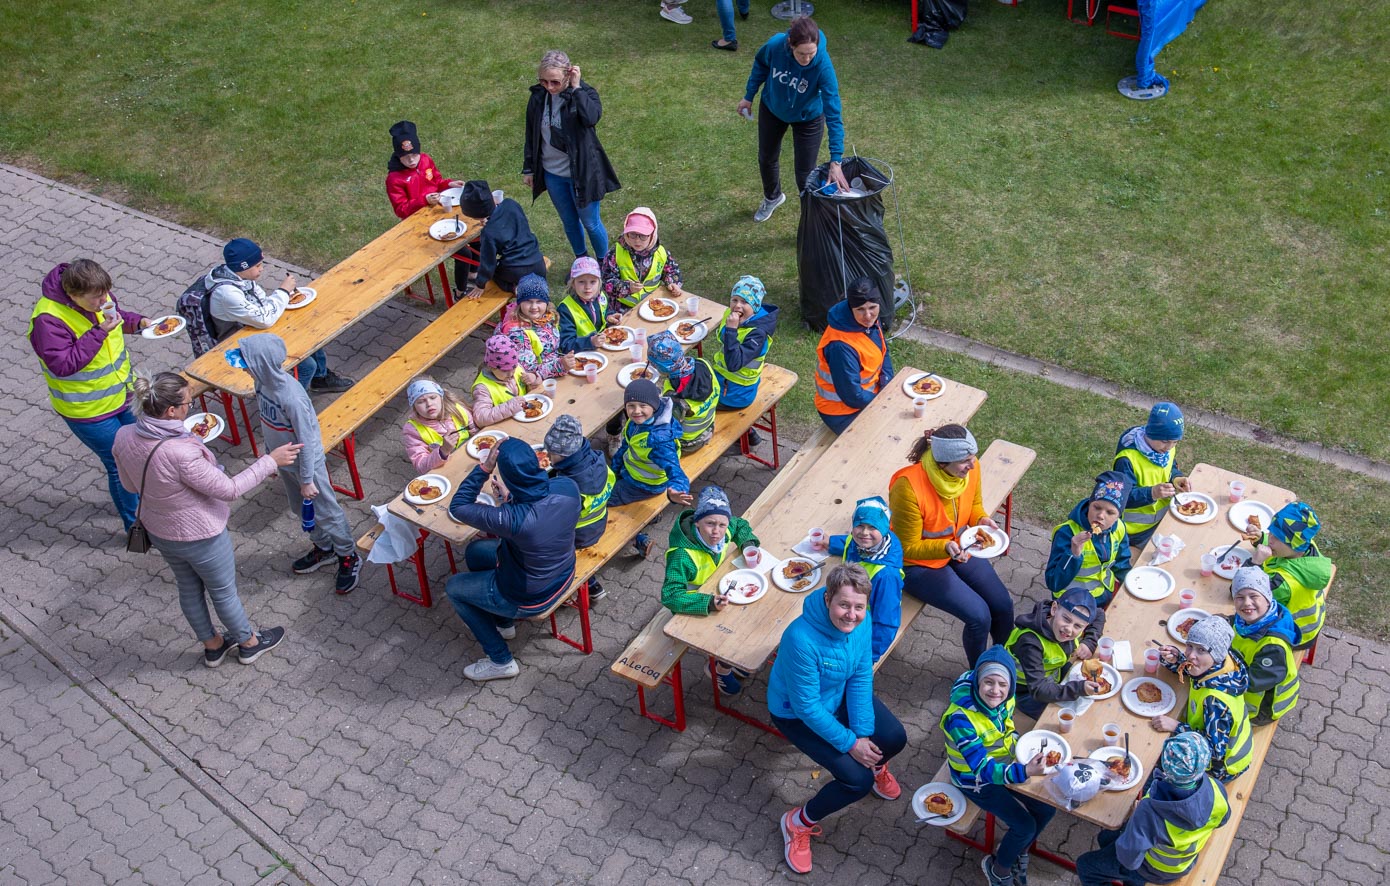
{"points": [[800, 90], [821, 696]]}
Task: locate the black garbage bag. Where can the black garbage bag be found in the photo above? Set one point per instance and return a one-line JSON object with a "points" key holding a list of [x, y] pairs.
{"points": [[935, 18], [840, 238]]}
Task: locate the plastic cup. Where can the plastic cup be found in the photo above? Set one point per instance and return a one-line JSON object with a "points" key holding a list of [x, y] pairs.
{"points": [[692, 305], [1065, 719], [591, 373], [549, 386], [1186, 597], [497, 196], [1165, 546], [751, 555], [636, 351], [1237, 491], [1110, 732], [817, 536], [1151, 661], [641, 335], [1208, 565], [1105, 650], [919, 407]]}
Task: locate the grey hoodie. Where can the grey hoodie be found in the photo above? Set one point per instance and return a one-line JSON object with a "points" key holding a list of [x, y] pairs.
{"points": [[287, 413]]}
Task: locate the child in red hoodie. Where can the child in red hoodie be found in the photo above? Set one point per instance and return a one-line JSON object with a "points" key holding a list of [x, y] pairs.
{"points": [[413, 182]]}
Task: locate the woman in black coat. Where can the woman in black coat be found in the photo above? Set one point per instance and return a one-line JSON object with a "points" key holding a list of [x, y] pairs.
{"points": [[563, 155]]}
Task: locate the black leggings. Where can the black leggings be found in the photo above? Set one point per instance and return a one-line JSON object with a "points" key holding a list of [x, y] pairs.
{"points": [[805, 148]]}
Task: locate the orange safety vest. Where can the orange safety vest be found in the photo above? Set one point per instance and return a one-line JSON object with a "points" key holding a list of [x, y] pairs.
{"points": [[870, 365], [938, 521]]}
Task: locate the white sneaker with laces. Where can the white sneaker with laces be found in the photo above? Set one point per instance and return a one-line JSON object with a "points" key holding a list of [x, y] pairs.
{"points": [[768, 207], [675, 14], [508, 633], [486, 669]]}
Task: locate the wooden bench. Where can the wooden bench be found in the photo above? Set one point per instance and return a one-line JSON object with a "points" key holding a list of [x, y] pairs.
{"points": [[652, 658], [1002, 465]]}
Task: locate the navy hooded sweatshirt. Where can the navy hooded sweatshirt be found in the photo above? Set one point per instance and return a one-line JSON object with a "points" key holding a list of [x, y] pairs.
{"points": [[589, 470]]}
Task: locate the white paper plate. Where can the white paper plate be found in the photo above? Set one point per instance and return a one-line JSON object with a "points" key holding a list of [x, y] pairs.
{"points": [[310, 294], [1182, 615], [447, 229], [1183, 498], [547, 404], [958, 802], [592, 355], [701, 330], [742, 578], [999, 542], [1150, 583], [1030, 743], [149, 331], [435, 480], [1110, 674], [472, 445], [1242, 511], [625, 374], [787, 584], [623, 346], [1136, 769], [218, 425], [1135, 706], [1241, 551], [452, 196], [644, 310], [913, 379]]}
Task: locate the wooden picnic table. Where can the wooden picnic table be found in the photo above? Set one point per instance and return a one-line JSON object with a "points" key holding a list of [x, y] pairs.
{"points": [[1137, 621], [592, 404], [859, 463], [349, 291]]}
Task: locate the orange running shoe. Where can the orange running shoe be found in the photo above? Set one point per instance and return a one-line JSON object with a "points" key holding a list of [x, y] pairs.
{"points": [[797, 839], [885, 785]]}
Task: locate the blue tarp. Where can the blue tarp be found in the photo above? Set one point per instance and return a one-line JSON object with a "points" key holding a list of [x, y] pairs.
{"points": [[1160, 21]]}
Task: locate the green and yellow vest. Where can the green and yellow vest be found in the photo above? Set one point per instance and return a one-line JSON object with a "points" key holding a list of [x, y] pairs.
{"points": [[99, 388]]}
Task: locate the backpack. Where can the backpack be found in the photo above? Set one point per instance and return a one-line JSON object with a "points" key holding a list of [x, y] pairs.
{"points": [[195, 306]]}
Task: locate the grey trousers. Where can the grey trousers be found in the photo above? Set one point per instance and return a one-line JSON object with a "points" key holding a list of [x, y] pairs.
{"points": [[207, 569], [331, 528]]}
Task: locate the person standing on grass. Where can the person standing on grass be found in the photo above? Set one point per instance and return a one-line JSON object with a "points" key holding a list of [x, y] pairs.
{"points": [[729, 41], [185, 496], [800, 90], [853, 360], [821, 696], [563, 156]]}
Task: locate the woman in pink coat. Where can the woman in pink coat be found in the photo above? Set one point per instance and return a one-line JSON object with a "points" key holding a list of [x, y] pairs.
{"points": [[184, 507]]}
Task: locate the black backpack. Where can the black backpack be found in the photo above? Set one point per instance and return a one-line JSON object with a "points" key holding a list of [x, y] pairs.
{"points": [[194, 306]]}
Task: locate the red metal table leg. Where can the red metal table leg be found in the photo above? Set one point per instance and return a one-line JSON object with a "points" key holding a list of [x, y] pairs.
{"points": [[580, 602], [1311, 653], [737, 715], [250, 434], [349, 455], [673, 679], [444, 283], [770, 417], [418, 558]]}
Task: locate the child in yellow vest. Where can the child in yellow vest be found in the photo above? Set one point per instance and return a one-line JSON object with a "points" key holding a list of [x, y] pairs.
{"points": [[637, 265], [1148, 455], [1265, 639], [1298, 572], [437, 426], [1215, 706], [535, 327], [500, 389], [586, 310]]}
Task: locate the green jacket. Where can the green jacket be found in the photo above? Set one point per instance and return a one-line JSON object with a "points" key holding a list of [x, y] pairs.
{"points": [[685, 558]]}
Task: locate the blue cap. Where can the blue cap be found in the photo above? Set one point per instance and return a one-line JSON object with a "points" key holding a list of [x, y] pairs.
{"points": [[241, 254], [1165, 422]]}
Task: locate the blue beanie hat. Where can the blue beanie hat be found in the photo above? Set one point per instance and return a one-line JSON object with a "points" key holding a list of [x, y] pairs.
{"points": [[665, 353], [241, 254], [872, 511], [712, 500], [1165, 422], [751, 290], [532, 287]]}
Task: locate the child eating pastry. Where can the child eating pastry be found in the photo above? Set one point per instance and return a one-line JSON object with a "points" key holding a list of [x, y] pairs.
{"points": [[1047, 640], [534, 327], [1216, 697], [438, 424]]}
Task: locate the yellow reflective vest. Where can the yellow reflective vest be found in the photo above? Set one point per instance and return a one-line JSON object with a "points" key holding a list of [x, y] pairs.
{"points": [[1278, 701], [99, 388], [498, 390], [430, 437], [1096, 575], [1176, 854], [594, 508], [998, 745], [752, 371], [700, 416], [583, 326], [648, 284], [1055, 658], [1240, 748], [1142, 518]]}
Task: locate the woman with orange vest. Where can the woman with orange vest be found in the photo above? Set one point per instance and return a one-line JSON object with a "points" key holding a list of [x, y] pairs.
{"points": [[853, 361], [933, 500]]}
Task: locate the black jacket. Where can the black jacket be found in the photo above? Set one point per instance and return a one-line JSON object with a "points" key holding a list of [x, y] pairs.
{"points": [[506, 241], [1027, 651], [580, 110]]}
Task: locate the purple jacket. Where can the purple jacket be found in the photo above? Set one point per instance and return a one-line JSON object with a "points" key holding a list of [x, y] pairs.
{"points": [[61, 351]]}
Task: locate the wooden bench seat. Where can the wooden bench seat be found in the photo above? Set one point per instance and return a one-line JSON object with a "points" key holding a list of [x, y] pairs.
{"points": [[1002, 465]]}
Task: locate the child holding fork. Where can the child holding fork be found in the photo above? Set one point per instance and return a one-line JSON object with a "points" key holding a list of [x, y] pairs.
{"points": [[439, 423]]}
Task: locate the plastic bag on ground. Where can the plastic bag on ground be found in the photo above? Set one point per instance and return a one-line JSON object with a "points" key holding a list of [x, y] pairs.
{"points": [[840, 238]]}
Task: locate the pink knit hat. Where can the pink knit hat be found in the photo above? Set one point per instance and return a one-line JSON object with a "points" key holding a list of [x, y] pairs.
{"points": [[500, 354]]}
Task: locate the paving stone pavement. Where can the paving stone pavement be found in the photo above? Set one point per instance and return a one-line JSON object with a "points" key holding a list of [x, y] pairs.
{"points": [[360, 754]]}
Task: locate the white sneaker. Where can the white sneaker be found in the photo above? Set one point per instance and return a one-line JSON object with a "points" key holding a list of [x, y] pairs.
{"points": [[508, 633], [768, 207], [486, 669], [675, 14]]}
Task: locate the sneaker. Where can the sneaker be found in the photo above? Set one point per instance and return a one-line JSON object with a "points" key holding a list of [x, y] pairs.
{"points": [[265, 641], [312, 561], [596, 591], [213, 657], [331, 383], [731, 46], [643, 543], [508, 632], [729, 683], [1020, 870], [675, 14], [768, 207], [885, 785], [485, 669], [987, 865], [754, 438], [743, 15], [349, 568], [796, 838]]}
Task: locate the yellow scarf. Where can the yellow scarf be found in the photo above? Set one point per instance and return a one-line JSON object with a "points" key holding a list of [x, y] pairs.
{"points": [[948, 487]]}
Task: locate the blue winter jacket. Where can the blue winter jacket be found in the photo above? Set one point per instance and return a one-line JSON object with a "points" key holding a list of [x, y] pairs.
{"points": [[796, 93], [886, 594], [1062, 567], [819, 668], [844, 362]]}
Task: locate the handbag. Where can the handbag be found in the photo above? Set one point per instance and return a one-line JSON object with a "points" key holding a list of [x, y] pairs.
{"points": [[137, 538]]}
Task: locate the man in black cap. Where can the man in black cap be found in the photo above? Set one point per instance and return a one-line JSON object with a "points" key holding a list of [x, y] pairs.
{"points": [[508, 250]]}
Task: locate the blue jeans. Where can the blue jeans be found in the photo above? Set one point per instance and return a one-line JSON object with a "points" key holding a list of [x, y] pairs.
{"points": [[838, 423], [203, 570], [1025, 818], [852, 780], [98, 437], [311, 367], [1100, 866], [479, 602], [625, 492], [577, 219], [973, 593], [726, 16]]}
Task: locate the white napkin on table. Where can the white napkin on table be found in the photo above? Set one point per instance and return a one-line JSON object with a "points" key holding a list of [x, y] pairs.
{"points": [[1158, 558], [1123, 656], [766, 562], [804, 549], [1078, 706]]}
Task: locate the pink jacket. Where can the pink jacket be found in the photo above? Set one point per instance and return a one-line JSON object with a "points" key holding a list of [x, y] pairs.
{"points": [[186, 494], [484, 413], [425, 456]]}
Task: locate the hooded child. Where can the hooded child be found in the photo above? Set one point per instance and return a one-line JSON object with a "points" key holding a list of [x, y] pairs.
{"points": [[585, 310], [1299, 573], [507, 250], [1265, 639], [1215, 706], [745, 337], [499, 391], [637, 264], [647, 462], [287, 416], [571, 456], [439, 423], [1091, 550], [1047, 640], [1148, 455], [533, 325], [979, 728], [872, 545], [689, 383]]}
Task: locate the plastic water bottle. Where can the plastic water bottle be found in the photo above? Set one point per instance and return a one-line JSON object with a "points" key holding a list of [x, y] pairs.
{"points": [[306, 515]]}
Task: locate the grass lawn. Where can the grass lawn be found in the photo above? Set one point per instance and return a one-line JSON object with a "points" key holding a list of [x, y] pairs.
{"points": [[1189, 247]]}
